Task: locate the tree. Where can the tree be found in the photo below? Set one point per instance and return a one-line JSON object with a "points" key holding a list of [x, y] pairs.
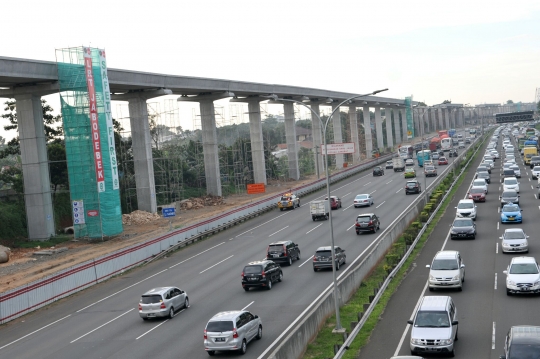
{"points": [[446, 102], [509, 102], [13, 175], [56, 153]]}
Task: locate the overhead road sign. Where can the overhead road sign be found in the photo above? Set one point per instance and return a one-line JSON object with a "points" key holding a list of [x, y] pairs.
{"points": [[514, 117], [339, 148]]}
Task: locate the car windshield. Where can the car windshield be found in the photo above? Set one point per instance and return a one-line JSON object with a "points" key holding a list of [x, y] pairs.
{"points": [[220, 326], [510, 181], [508, 172], [463, 223], [275, 248], [361, 196], [514, 168], [326, 253], [252, 269], [410, 170], [479, 183], [363, 219], [477, 190], [514, 235], [442, 159], [151, 299], [524, 351], [432, 320], [510, 208], [509, 194], [388, 162], [444, 264], [523, 268], [285, 198], [465, 205], [411, 184], [536, 168], [429, 168], [483, 174]]}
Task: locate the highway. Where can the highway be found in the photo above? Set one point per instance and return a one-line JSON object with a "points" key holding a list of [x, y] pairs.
{"points": [[485, 312], [103, 322]]}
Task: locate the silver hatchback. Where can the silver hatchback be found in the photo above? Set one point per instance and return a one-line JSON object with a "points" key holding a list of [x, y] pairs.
{"points": [[231, 330], [162, 302]]}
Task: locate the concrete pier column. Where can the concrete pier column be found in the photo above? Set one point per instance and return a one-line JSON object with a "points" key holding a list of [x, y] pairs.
{"points": [[447, 118], [338, 136], [389, 138], [316, 132], [210, 148], [290, 135], [257, 142], [440, 118], [35, 167], [378, 128], [397, 127], [428, 121], [353, 120], [142, 155], [404, 124], [367, 132]]}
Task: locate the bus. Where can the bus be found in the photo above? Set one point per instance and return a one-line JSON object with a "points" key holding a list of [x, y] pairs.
{"points": [[405, 151], [529, 132], [446, 143], [422, 156], [472, 132]]}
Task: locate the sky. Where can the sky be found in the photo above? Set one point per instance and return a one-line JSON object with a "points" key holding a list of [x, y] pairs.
{"points": [[471, 51]]}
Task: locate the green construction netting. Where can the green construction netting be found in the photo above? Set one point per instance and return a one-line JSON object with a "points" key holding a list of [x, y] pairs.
{"points": [[409, 116], [102, 211]]}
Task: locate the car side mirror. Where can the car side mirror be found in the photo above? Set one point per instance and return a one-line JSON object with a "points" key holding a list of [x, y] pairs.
{"points": [[505, 272], [428, 266], [502, 357], [500, 237], [455, 322], [409, 322], [256, 316]]}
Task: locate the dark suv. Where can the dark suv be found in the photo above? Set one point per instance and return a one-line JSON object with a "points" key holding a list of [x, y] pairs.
{"points": [[378, 171], [412, 186], [261, 274], [283, 251], [367, 222], [323, 258]]}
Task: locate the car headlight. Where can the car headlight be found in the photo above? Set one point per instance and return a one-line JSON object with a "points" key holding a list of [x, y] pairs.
{"points": [[432, 277], [506, 245], [416, 341], [456, 277], [509, 282], [537, 283], [446, 341]]}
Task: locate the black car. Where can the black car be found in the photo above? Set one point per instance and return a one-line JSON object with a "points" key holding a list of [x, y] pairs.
{"points": [[283, 251], [453, 153], [441, 153], [508, 173], [522, 341], [535, 161], [509, 196], [323, 258], [261, 274], [367, 222], [378, 171], [413, 186], [463, 228]]}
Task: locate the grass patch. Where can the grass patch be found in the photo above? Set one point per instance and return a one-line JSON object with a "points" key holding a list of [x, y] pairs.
{"points": [[52, 242], [323, 346]]}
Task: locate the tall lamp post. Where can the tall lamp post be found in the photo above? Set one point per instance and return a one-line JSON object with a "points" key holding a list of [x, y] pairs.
{"points": [[421, 121], [338, 328]]}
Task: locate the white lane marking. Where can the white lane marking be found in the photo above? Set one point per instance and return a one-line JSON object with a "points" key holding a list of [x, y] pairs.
{"points": [[314, 228], [497, 249], [348, 207], [399, 190], [497, 225], [532, 187], [120, 291], [372, 192], [217, 245], [101, 326], [495, 281], [498, 209], [380, 204], [231, 239], [143, 334], [279, 231], [248, 305], [307, 260], [366, 184], [499, 188], [351, 226], [388, 182], [252, 228], [35, 331], [530, 180], [493, 337], [216, 264], [346, 194]]}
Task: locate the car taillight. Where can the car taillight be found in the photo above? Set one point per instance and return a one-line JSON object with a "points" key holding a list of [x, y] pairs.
{"points": [[234, 333], [162, 306], [140, 306], [205, 336], [242, 275], [263, 274], [357, 224], [314, 259], [370, 223], [285, 251]]}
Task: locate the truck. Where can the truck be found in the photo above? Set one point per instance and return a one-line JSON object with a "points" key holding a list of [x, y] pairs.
{"points": [[399, 164], [443, 133], [446, 143], [319, 210], [452, 132], [528, 152]]}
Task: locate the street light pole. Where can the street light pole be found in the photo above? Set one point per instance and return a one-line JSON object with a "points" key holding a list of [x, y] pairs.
{"points": [[338, 328]]}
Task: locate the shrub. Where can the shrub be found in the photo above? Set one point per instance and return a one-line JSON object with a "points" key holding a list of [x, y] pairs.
{"points": [[424, 216], [428, 208], [416, 225]]}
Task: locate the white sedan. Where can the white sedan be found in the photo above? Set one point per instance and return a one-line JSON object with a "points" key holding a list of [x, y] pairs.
{"points": [[363, 200]]}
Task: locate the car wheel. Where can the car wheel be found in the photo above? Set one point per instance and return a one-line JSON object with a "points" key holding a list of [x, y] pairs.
{"points": [[211, 353], [186, 303], [246, 289], [460, 289], [171, 312], [456, 337], [374, 229], [326, 217], [337, 266], [269, 284], [452, 353], [243, 348], [144, 318], [314, 269], [298, 256], [508, 293], [413, 352], [259, 333], [280, 278], [290, 261], [430, 289], [281, 209], [357, 233]]}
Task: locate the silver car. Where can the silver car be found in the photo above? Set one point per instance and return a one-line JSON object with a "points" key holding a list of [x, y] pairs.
{"points": [[231, 330], [516, 170], [162, 302], [446, 271], [514, 240]]}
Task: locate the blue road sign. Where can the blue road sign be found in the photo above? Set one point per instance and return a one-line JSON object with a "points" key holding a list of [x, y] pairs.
{"points": [[168, 212]]}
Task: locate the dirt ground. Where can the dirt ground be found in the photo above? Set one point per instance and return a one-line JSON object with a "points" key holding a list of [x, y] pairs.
{"points": [[25, 267]]}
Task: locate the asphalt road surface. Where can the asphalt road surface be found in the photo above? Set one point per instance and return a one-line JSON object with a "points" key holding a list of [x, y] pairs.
{"points": [[103, 322], [485, 312]]}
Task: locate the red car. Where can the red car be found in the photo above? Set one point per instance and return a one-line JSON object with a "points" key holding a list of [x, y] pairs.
{"points": [[477, 194], [443, 161], [335, 202]]}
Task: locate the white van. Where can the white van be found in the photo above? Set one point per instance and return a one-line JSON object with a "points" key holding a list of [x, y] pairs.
{"points": [[434, 326]]}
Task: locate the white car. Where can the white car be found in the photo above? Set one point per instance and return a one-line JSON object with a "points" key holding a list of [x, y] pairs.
{"points": [[446, 271], [536, 172], [522, 276], [480, 182], [507, 165], [466, 209], [517, 171], [489, 163], [514, 240], [511, 183]]}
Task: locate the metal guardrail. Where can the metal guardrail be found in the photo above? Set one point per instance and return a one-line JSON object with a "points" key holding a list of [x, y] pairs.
{"points": [[392, 274]]}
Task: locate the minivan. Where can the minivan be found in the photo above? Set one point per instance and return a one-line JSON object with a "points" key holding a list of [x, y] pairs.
{"points": [[434, 326], [231, 330], [447, 271]]}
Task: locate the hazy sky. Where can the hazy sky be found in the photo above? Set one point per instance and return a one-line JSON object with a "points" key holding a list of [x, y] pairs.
{"points": [[465, 51]]}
